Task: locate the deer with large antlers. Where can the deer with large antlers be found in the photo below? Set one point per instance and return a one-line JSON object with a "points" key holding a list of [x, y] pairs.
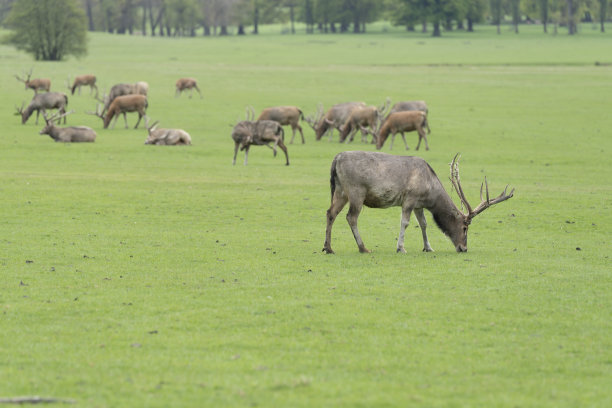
{"points": [[167, 137], [71, 134], [183, 84], [42, 102], [38, 84], [285, 115], [334, 118], [84, 80], [380, 180], [122, 105]]}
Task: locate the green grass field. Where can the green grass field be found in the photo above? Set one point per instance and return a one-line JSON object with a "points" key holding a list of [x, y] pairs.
{"points": [[156, 276]]}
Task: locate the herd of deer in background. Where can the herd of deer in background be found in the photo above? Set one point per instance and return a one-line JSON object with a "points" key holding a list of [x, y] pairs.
{"points": [[347, 118], [359, 178]]}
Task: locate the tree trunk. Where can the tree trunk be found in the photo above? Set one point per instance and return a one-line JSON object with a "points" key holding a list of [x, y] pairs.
{"points": [[144, 19], [241, 30], [292, 17], [470, 25], [223, 30], [256, 20], [436, 29], [89, 11], [571, 25]]}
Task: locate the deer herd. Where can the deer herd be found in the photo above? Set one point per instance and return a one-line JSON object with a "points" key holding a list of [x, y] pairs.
{"points": [[359, 178]]}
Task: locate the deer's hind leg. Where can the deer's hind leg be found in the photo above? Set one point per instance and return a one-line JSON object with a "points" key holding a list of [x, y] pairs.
{"points": [[355, 206], [406, 211], [339, 200]]}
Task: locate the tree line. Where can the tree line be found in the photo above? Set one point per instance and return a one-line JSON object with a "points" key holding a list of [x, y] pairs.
{"points": [[224, 17]]}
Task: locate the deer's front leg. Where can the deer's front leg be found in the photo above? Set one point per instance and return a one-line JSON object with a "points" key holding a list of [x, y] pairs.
{"points": [[420, 216]]}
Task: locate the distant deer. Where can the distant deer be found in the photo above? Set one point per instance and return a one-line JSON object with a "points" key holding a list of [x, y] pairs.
{"points": [[400, 122], [72, 134], [167, 136], [42, 102], [84, 80], [39, 84], [187, 83], [364, 118], [259, 133], [411, 106], [379, 180], [138, 88], [122, 105], [335, 117], [285, 115]]}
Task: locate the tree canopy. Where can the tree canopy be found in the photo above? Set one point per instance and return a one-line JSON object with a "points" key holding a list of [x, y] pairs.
{"points": [[50, 30]]}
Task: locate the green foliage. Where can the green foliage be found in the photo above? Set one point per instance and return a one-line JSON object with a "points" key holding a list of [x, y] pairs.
{"points": [[49, 30], [156, 276]]}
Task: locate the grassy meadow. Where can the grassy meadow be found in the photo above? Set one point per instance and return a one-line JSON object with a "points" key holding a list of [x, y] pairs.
{"points": [[157, 276]]}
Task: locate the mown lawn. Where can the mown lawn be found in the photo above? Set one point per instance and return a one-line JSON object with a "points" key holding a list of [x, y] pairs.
{"points": [[153, 276]]}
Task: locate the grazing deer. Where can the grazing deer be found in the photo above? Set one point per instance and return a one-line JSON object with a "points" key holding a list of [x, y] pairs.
{"points": [[335, 117], [72, 134], [84, 80], [139, 88], [167, 137], [285, 115], [187, 83], [411, 106], [122, 105], [400, 122], [42, 102], [380, 180], [259, 133], [42, 84], [364, 118]]}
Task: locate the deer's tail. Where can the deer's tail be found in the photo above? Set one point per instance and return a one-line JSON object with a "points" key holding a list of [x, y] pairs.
{"points": [[332, 178]]}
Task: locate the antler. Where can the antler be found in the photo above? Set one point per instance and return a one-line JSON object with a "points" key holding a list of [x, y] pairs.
{"points": [[250, 113], [56, 116], [152, 127], [20, 110], [97, 112], [313, 120], [456, 181]]}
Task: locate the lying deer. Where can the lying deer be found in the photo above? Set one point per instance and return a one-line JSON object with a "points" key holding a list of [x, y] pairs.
{"points": [[42, 102], [84, 80], [167, 137], [38, 84], [400, 122], [285, 115], [259, 133], [122, 105], [380, 180], [72, 134], [187, 83]]}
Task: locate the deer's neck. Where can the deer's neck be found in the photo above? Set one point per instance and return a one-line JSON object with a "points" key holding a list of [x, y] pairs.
{"points": [[446, 215]]}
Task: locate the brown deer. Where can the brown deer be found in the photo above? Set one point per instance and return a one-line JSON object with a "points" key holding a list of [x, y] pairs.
{"points": [[364, 118], [187, 83], [72, 134], [42, 102], [138, 88], [122, 105], [285, 115], [38, 84], [400, 122], [379, 180], [411, 106], [258, 133], [334, 118], [84, 80], [167, 137]]}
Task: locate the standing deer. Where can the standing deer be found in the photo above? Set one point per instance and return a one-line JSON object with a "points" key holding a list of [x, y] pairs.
{"points": [[42, 84], [259, 133], [400, 122], [364, 118], [411, 106], [380, 180], [187, 83], [84, 80], [285, 115], [167, 137], [334, 118], [139, 88], [72, 134], [122, 105], [42, 102]]}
